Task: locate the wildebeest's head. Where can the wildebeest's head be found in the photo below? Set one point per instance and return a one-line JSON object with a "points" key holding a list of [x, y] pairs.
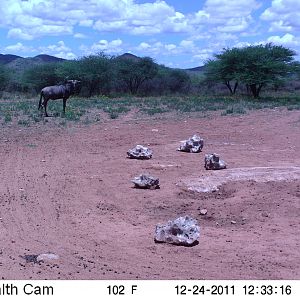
{"points": [[74, 84]]}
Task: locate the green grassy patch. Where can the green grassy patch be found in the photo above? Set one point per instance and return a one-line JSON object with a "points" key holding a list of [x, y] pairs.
{"points": [[24, 112]]}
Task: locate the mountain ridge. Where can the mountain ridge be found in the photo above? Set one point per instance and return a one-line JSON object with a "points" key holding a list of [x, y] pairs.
{"points": [[15, 61]]}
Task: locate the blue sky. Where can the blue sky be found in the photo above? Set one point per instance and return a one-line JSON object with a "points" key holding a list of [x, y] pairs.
{"points": [[176, 33]]}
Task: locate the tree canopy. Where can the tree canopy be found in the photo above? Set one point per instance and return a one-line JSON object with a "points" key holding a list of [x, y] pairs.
{"points": [[255, 66], [135, 72]]}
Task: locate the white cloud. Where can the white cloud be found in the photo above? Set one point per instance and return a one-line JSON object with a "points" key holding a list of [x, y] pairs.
{"points": [[287, 40], [32, 33], [144, 46], [58, 50], [284, 15], [86, 23], [35, 18], [80, 36], [112, 47], [230, 16], [17, 48]]}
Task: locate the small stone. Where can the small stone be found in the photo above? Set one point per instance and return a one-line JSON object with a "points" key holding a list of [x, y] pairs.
{"points": [[203, 212], [154, 130], [264, 214], [146, 182], [192, 145], [233, 222], [140, 152], [213, 162], [47, 257], [182, 231], [43, 160]]}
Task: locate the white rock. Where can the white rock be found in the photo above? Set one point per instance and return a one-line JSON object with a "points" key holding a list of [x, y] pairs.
{"points": [[47, 257], [140, 152], [213, 162], [182, 231], [146, 182], [193, 144], [203, 211]]}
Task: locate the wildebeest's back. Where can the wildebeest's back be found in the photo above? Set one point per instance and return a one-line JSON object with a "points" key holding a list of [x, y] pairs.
{"points": [[56, 91]]}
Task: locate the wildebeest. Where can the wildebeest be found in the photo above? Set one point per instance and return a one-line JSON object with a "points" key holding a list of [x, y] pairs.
{"points": [[62, 91]]}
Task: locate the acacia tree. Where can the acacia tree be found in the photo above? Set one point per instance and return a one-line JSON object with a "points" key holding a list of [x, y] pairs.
{"points": [[256, 66], [134, 72], [94, 71], [40, 76], [264, 65], [224, 68]]}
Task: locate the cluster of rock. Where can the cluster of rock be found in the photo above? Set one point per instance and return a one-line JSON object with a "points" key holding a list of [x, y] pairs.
{"points": [[195, 145], [183, 230]]}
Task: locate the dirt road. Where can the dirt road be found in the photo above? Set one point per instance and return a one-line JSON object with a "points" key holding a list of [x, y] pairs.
{"points": [[67, 191]]}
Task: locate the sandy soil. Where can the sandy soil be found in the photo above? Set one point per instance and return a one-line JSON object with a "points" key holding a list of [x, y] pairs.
{"points": [[67, 191]]}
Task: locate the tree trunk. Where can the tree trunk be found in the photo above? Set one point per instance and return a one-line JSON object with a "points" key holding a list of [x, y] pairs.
{"points": [[254, 90], [235, 86], [227, 83]]}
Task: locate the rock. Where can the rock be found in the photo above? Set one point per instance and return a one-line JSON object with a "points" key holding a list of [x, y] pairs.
{"points": [[30, 258], [264, 214], [182, 231], [47, 257], [140, 152], [233, 222], [213, 162], [193, 144], [146, 182], [203, 212]]}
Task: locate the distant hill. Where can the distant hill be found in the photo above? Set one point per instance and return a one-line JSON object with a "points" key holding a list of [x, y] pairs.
{"points": [[197, 69], [7, 58], [48, 58], [129, 56], [18, 63]]}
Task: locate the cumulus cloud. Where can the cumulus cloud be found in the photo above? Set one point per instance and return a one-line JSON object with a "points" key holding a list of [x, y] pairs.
{"points": [[230, 16], [35, 18], [111, 47], [284, 15], [288, 40], [158, 49], [30, 19], [44, 30], [79, 36], [17, 48], [59, 50]]}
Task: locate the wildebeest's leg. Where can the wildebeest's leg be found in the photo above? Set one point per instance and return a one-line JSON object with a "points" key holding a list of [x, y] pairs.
{"points": [[45, 106], [64, 104], [40, 103]]}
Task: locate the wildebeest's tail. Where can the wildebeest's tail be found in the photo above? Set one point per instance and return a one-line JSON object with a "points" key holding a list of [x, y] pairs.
{"points": [[40, 103]]}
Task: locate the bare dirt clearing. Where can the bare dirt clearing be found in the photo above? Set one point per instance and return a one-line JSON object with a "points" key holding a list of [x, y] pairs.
{"points": [[67, 191]]}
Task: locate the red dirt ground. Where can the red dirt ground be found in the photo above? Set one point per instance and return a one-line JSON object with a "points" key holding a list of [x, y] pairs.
{"points": [[67, 191]]}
